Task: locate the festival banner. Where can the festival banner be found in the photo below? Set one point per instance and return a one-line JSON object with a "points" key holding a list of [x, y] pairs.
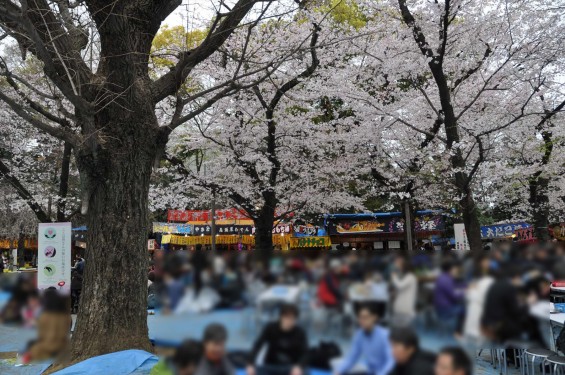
{"points": [[301, 242], [206, 215], [526, 234], [282, 228], [501, 230], [223, 229], [207, 240], [172, 228], [54, 256], [424, 223]]}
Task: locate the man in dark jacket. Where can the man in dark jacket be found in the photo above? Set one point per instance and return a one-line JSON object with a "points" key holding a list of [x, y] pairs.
{"points": [[504, 315], [409, 358], [287, 346]]}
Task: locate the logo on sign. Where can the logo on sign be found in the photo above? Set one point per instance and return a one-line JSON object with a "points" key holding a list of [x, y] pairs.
{"points": [[50, 233]]}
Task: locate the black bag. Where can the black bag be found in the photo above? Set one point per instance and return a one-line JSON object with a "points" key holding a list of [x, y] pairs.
{"points": [[560, 342], [319, 357]]}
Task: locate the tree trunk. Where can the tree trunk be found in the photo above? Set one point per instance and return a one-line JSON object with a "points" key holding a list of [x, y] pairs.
{"points": [[472, 224], [264, 235], [115, 181], [64, 182], [539, 201], [409, 232], [21, 248]]}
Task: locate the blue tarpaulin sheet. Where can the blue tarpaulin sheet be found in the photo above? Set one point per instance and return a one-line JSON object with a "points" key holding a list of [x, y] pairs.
{"points": [[119, 363]]}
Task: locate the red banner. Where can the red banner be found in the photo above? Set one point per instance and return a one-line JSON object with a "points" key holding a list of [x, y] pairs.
{"points": [[525, 234], [206, 215]]}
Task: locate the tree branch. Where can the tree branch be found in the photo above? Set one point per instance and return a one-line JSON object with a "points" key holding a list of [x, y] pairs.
{"points": [[59, 133], [23, 193], [169, 83]]}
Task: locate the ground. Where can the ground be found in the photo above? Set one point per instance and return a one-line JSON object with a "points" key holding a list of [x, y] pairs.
{"points": [[241, 326]]}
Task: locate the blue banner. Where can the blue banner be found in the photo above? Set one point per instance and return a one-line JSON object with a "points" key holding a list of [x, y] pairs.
{"points": [[501, 230]]}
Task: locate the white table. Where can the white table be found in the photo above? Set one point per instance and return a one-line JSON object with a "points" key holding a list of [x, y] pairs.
{"points": [[362, 292], [549, 323], [557, 321], [280, 293]]}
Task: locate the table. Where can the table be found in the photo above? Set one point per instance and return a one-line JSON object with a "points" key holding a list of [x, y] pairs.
{"points": [[556, 324], [280, 293], [549, 323]]}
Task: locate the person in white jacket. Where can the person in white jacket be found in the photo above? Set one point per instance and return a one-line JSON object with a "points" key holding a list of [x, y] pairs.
{"points": [[476, 296], [405, 286]]}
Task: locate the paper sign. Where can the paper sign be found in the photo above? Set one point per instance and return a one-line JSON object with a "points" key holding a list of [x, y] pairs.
{"points": [[54, 256], [461, 242]]}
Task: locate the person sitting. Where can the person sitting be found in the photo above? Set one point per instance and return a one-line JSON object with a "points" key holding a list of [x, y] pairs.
{"points": [[453, 361], [287, 346], [183, 362], [31, 310], [53, 326], [409, 358], [214, 361], [371, 343]]}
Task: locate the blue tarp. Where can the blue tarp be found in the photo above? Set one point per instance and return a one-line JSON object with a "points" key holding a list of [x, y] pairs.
{"points": [[119, 363]]}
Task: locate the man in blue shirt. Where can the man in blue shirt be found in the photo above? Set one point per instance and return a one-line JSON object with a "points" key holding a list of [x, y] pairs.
{"points": [[370, 344]]}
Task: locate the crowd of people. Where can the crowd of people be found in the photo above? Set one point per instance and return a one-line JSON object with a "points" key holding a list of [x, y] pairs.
{"points": [[394, 352], [383, 299]]}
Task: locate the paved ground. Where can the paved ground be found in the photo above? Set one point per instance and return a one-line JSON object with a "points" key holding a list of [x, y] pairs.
{"points": [[242, 329]]}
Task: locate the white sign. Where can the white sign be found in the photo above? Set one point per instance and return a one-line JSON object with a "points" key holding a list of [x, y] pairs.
{"points": [[461, 242], [54, 256]]}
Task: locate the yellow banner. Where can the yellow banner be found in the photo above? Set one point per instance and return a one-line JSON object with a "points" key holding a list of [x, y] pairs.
{"points": [[299, 242], [207, 240], [12, 244], [278, 240]]}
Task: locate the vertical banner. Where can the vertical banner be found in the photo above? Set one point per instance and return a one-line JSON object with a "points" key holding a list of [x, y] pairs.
{"points": [[54, 256], [461, 242]]}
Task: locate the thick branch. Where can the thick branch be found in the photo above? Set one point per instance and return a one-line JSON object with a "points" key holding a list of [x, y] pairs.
{"points": [[169, 83], [59, 133], [23, 193]]}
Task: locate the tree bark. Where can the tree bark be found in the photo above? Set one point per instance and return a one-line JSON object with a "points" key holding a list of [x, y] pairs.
{"points": [[264, 234], [409, 233], [64, 182], [539, 201], [116, 257]]}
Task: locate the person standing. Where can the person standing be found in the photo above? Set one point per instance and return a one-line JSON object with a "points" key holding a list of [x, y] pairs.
{"points": [[476, 296], [370, 344], [405, 286], [287, 346], [328, 289], [449, 296]]}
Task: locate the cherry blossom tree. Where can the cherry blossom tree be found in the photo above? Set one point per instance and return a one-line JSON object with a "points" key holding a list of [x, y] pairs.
{"points": [[111, 109], [266, 148], [457, 75]]}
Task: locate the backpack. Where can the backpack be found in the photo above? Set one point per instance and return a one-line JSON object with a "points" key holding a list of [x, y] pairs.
{"points": [[560, 342], [319, 357]]}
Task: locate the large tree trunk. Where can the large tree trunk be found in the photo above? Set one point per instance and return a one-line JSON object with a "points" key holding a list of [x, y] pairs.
{"points": [[471, 221], [115, 181], [264, 234], [116, 258], [409, 234], [539, 201]]}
